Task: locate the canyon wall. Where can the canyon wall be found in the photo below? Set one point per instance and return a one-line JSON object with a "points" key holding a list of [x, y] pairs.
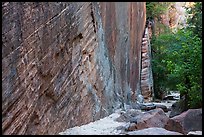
{"points": [[66, 64], [176, 16], [147, 90]]}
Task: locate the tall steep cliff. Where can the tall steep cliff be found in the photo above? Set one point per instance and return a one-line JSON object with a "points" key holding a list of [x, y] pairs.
{"points": [[66, 64]]}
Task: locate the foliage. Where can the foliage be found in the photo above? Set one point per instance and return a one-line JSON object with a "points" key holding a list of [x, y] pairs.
{"points": [[177, 64], [195, 22], [155, 9], [177, 57]]}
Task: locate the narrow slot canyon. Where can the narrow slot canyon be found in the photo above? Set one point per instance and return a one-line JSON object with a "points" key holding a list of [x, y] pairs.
{"points": [[68, 65]]}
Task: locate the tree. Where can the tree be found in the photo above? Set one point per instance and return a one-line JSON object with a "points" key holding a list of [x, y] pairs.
{"points": [[179, 65], [155, 9], [195, 21], [177, 59]]}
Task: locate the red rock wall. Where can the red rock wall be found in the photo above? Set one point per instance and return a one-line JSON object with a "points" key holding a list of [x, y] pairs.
{"points": [[66, 64], [124, 25]]}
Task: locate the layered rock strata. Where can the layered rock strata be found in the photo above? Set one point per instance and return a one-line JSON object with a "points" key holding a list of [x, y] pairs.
{"points": [[66, 64]]}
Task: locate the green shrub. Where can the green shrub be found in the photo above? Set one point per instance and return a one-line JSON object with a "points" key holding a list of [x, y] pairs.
{"points": [[177, 57], [178, 64], [155, 9]]}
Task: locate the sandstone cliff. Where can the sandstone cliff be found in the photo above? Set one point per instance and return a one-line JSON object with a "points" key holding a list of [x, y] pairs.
{"points": [[66, 64]]}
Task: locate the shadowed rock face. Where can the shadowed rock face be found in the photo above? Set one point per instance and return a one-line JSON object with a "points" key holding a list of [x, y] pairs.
{"points": [[67, 64]]}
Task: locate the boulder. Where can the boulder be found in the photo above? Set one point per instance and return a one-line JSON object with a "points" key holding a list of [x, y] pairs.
{"points": [[134, 112], [195, 133], [153, 131], [152, 118], [177, 108], [190, 120], [131, 127], [147, 106], [126, 116], [163, 107]]}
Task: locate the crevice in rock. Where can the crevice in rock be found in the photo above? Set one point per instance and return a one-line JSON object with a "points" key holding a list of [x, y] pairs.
{"points": [[93, 20]]}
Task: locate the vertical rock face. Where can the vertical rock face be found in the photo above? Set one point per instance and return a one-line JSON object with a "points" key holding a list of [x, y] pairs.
{"points": [[66, 64], [176, 15], [124, 25], [146, 73]]}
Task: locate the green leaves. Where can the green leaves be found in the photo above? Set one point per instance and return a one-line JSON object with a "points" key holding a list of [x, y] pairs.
{"points": [[195, 22], [178, 64], [155, 9]]}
